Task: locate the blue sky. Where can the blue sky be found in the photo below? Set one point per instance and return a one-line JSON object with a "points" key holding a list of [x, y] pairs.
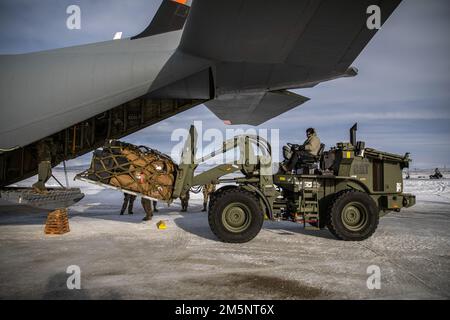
{"points": [[400, 97]]}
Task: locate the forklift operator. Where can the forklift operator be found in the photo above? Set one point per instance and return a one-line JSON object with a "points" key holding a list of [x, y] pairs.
{"points": [[308, 149]]}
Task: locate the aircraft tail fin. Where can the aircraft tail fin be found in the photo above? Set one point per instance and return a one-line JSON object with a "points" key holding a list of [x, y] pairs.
{"points": [[171, 16]]}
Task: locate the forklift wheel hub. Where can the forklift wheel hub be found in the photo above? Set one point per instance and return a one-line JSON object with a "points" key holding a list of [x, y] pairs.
{"points": [[354, 216], [236, 217]]}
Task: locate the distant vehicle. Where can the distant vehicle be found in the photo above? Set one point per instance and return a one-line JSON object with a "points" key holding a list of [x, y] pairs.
{"points": [[436, 175]]}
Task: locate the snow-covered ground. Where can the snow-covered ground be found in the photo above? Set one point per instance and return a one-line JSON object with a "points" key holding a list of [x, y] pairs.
{"points": [[427, 189], [122, 257]]}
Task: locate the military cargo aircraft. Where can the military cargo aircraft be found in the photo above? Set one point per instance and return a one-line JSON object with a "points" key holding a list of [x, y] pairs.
{"points": [[238, 57]]}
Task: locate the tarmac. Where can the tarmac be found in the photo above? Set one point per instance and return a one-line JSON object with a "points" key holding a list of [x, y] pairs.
{"points": [[122, 257]]}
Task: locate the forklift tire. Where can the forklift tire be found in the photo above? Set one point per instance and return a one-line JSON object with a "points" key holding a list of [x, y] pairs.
{"points": [[353, 216], [235, 216], [213, 195]]}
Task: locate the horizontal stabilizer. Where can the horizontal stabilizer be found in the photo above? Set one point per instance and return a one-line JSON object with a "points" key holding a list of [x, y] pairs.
{"points": [[171, 16], [254, 108]]}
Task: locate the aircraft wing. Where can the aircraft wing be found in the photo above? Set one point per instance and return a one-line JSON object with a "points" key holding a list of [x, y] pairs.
{"points": [[323, 33], [254, 108], [274, 45]]}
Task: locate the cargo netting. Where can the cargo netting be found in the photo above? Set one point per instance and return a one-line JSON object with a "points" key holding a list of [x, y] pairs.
{"points": [[135, 168]]}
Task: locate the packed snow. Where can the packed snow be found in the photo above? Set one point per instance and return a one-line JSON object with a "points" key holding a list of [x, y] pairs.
{"points": [[122, 257]]}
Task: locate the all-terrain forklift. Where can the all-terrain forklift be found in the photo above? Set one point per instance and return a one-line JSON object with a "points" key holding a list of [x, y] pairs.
{"points": [[347, 190]]}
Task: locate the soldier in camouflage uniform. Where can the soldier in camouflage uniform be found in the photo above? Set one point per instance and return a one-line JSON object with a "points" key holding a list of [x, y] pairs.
{"points": [[128, 201], [207, 190], [308, 149], [149, 207], [45, 165], [184, 197]]}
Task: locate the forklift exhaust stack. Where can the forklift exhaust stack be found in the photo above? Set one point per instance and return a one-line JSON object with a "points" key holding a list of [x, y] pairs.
{"points": [[353, 134]]}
